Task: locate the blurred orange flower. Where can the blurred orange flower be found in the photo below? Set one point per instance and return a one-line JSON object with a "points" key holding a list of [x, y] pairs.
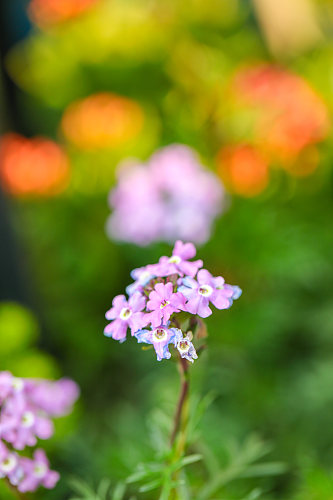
{"points": [[32, 166], [102, 120], [243, 169], [291, 115], [48, 12]]}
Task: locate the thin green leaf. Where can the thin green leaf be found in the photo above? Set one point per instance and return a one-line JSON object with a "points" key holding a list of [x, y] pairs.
{"points": [[267, 469], [189, 459], [81, 487], [103, 489], [119, 491], [150, 486], [253, 495]]}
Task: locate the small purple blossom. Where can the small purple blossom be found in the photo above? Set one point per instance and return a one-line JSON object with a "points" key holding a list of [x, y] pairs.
{"points": [[125, 314], [165, 295], [160, 338], [26, 408], [9, 462], [36, 472], [21, 423], [9, 385], [172, 196], [142, 276], [179, 262], [185, 347], [163, 302], [53, 398], [199, 293]]}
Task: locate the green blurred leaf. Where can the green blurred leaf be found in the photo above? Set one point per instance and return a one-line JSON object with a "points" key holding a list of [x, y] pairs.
{"points": [[18, 328]]}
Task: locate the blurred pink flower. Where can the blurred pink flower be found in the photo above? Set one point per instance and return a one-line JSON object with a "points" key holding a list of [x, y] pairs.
{"points": [[36, 472], [171, 197], [26, 409]]}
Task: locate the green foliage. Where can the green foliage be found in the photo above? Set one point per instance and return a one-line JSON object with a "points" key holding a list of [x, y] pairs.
{"points": [[201, 474], [318, 485], [103, 492], [18, 328], [19, 333]]}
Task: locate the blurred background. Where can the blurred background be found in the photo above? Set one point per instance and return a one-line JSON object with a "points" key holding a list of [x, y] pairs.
{"points": [[86, 84]]}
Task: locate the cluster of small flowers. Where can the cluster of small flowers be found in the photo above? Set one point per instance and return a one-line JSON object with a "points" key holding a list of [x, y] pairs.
{"points": [[161, 291], [26, 409], [173, 196]]}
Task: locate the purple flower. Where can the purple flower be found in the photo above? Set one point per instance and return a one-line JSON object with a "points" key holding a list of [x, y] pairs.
{"points": [[138, 208], [25, 410], [125, 314], [205, 290], [9, 462], [9, 385], [142, 276], [163, 302], [160, 337], [53, 398], [179, 262], [186, 348], [172, 196], [236, 291], [21, 423], [37, 473]]}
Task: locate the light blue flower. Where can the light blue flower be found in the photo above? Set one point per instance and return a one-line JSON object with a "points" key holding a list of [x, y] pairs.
{"points": [[160, 338]]}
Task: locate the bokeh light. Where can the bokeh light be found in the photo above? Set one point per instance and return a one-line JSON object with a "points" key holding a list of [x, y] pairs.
{"points": [[243, 169], [35, 166], [102, 120], [290, 114], [49, 12]]}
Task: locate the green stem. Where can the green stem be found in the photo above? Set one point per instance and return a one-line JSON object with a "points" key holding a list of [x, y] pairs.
{"points": [[182, 401], [15, 491], [179, 434]]}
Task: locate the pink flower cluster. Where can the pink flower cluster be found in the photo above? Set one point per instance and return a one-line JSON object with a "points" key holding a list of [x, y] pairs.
{"points": [[159, 293], [172, 196], [26, 410]]}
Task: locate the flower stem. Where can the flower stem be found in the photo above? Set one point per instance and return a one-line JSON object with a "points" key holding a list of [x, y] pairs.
{"points": [[179, 433], [182, 401], [16, 493]]}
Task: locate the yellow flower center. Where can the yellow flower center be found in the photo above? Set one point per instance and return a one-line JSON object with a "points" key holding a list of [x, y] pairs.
{"points": [[125, 313], [205, 290], [160, 334], [174, 259], [183, 345]]}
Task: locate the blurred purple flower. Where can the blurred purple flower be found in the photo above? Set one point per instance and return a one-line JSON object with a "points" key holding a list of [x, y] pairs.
{"points": [[9, 385], [36, 472], [173, 196], [26, 408], [9, 462], [21, 423], [54, 398]]}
